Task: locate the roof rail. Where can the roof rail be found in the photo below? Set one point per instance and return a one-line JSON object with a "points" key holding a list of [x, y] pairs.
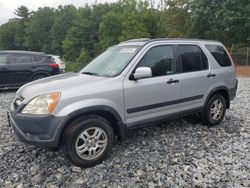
{"points": [[186, 39], [145, 41], [138, 40], [22, 51]]}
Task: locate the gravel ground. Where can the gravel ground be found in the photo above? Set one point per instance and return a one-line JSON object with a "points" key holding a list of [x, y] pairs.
{"points": [[179, 153]]}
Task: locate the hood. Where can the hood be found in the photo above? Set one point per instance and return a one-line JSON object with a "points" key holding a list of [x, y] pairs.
{"points": [[58, 84]]}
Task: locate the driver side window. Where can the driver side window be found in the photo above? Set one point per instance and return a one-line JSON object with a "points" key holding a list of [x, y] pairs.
{"points": [[160, 59]]}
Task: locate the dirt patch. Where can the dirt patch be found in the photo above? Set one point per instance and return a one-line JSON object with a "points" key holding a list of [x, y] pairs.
{"points": [[243, 71]]}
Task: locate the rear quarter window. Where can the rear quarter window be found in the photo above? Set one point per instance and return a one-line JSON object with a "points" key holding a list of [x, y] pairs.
{"points": [[37, 58], [220, 55], [48, 59]]}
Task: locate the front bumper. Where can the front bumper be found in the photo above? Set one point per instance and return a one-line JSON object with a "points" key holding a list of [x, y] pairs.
{"points": [[36, 130]]}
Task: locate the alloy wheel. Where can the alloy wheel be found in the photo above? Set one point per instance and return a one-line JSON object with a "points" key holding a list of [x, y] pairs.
{"points": [[216, 110], [91, 143]]}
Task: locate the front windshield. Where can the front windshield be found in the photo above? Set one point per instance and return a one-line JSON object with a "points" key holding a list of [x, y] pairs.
{"points": [[111, 62]]}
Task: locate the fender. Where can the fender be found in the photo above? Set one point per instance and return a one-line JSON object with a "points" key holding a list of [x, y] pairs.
{"points": [[121, 127], [217, 89]]}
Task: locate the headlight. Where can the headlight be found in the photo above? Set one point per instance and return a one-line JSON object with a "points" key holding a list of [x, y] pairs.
{"points": [[42, 104]]}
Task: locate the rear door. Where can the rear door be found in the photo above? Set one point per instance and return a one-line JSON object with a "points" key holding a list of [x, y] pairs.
{"points": [[4, 73], [195, 79], [20, 68]]}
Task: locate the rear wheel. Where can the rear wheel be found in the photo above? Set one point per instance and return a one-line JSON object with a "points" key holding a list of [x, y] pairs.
{"points": [[215, 110], [89, 141]]}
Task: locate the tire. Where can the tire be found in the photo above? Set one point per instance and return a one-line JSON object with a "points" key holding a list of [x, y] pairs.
{"points": [[39, 76], [82, 135], [214, 111]]}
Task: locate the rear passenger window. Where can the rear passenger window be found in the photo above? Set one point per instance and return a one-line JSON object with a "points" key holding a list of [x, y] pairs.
{"points": [[219, 54], [36, 58], [19, 58], [160, 59], [3, 59], [192, 58]]}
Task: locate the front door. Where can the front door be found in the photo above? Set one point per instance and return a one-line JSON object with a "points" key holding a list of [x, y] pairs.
{"points": [[156, 96]]}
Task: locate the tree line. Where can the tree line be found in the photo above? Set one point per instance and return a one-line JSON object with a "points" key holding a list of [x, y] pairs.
{"points": [[78, 34]]}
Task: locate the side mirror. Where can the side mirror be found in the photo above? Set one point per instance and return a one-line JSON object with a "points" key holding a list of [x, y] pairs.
{"points": [[142, 72]]}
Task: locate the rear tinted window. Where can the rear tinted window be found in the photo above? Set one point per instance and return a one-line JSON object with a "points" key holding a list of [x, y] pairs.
{"points": [[37, 58], [20, 58], [219, 54], [192, 58]]}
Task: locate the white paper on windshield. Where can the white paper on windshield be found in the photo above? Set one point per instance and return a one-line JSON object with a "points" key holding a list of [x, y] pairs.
{"points": [[128, 50]]}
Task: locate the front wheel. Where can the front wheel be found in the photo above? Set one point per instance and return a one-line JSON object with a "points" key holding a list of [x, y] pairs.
{"points": [[214, 111], [88, 142]]}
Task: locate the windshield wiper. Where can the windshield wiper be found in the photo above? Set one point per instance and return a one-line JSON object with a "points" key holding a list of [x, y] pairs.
{"points": [[90, 73]]}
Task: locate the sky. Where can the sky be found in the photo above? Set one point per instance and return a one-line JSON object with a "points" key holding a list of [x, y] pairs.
{"points": [[7, 7]]}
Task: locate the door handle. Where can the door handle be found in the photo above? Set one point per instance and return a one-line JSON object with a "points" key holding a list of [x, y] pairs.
{"points": [[171, 81], [211, 75]]}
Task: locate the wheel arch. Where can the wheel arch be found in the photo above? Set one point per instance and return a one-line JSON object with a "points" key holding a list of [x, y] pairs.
{"points": [[40, 73], [105, 112], [224, 91]]}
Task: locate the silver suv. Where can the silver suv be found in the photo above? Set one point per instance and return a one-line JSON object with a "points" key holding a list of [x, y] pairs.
{"points": [[132, 84]]}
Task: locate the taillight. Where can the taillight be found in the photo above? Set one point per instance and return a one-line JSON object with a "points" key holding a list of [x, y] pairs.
{"points": [[54, 65]]}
